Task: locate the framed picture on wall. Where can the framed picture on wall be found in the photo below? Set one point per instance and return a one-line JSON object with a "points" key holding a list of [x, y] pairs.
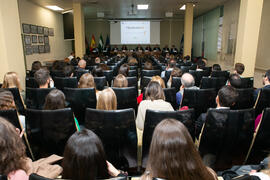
{"points": [[35, 49], [46, 40], [27, 40], [41, 48], [40, 30], [47, 48], [46, 31], [34, 39], [28, 49], [33, 29], [41, 39], [51, 32], [26, 28]]}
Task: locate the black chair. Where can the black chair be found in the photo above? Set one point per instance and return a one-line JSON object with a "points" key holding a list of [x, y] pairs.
{"points": [[176, 83], [62, 82], [37, 177], [57, 73], [126, 97], [79, 99], [260, 147], [109, 76], [170, 96], [247, 82], [101, 82], [90, 68], [225, 74], [153, 117], [167, 75], [150, 73], [226, 137], [132, 73], [213, 82], [199, 99], [198, 75], [132, 81], [18, 100], [185, 69], [133, 67], [31, 82], [49, 130], [208, 70], [263, 100], [80, 72], [35, 97], [117, 132], [245, 99], [144, 81], [3, 177]]}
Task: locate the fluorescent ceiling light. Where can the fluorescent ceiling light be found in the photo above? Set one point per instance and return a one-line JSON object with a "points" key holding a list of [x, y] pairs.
{"points": [[55, 8], [184, 7], [142, 6]]}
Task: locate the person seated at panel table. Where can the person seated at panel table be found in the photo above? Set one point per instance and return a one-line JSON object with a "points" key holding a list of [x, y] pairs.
{"points": [[115, 49], [148, 48], [156, 48], [174, 50], [166, 49], [139, 48], [124, 48], [173, 155], [43, 78], [239, 68], [226, 98], [107, 49]]}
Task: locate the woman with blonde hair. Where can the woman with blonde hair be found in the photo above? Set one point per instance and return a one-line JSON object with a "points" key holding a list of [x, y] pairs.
{"points": [[11, 80], [87, 81], [107, 100], [120, 81]]}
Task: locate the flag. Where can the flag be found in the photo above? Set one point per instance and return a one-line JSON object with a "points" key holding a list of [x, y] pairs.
{"points": [[107, 41], [181, 44], [93, 43], [100, 43]]}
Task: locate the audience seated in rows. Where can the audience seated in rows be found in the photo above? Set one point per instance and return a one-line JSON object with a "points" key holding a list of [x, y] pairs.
{"points": [[36, 65], [97, 72], [155, 100], [239, 69], [216, 67], [132, 61], [148, 65], [200, 65], [11, 80], [226, 98], [120, 81], [176, 72], [81, 65], [68, 71], [86, 81], [173, 155], [170, 66], [43, 78], [124, 69], [107, 100], [188, 82], [55, 100]]}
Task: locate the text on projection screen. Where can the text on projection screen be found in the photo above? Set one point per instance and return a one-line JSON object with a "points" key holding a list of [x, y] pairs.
{"points": [[135, 32]]}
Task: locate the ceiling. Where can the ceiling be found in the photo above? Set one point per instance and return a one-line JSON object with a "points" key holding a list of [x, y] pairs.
{"points": [[119, 9]]}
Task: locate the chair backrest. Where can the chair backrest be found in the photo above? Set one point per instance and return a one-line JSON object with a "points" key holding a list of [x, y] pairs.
{"points": [[132, 73], [198, 76], [126, 97], [170, 96], [199, 99], [3, 177], [62, 82], [150, 73], [79, 99], [80, 72], [18, 100], [109, 76], [227, 135], [37, 177], [117, 132], [245, 99], [185, 69], [35, 97], [247, 82], [153, 117], [261, 142], [50, 129], [133, 67], [263, 100], [31, 82], [208, 70], [132, 81], [144, 81], [56, 73], [176, 83], [12, 116], [167, 75], [213, 82], [101, 82], [225, 74]]}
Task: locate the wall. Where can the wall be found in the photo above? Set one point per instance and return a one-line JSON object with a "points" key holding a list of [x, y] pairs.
{"points": [[171, 31], [33, 14]]}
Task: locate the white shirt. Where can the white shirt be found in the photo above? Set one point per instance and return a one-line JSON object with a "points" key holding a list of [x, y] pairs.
{"points": [[70, 57]]}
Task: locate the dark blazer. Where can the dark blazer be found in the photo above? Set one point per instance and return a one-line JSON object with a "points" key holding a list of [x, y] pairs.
{"points": [[256, 92]]}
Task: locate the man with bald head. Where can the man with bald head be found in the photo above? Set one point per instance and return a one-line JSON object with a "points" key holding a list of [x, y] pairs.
{"points": [[82, 64], [188, 82]]}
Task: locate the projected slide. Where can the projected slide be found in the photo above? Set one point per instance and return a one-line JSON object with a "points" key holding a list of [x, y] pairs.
{"points": [[135, 32]]}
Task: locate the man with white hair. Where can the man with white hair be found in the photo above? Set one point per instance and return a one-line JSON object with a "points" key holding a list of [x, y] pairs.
{"points": [[188, 82], [81, 64]]}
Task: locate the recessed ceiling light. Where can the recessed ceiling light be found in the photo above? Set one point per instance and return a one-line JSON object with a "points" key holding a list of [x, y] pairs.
{"points": [[142, 6], [184, 7], [55, 8]]}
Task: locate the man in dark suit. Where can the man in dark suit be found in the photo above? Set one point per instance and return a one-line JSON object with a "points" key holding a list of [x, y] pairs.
{"points": [[165, 49], [266, 83], [226, 98], [156, 48], [174, 50], [139, 48]]}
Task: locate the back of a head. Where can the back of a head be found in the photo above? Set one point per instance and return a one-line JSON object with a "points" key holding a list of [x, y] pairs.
{"points": [[11, 80], [154, 91], [148, 65], [227, 96], [74, 62], [36, 65], [98, 72], [187, 80], [84, 157], [239, 68], [55, 100], [104, 67], [267, 74], [235, 80], [68, 71], [82, 64], [57, 65], [176, 72], [187, 57], [216, 67], [172, 63], [6, 100], [173, 155], [200, 64], [159, 80], [86, 81], [120, 81], [42, 76], [124, 69], [107, 100], [132, 62]]}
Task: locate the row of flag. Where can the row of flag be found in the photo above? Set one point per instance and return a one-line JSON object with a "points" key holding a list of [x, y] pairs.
{"points": [[101, 44]]}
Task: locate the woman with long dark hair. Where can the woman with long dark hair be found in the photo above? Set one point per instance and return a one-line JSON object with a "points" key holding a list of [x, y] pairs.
{"points": [[173, 156], [55, 100]]}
